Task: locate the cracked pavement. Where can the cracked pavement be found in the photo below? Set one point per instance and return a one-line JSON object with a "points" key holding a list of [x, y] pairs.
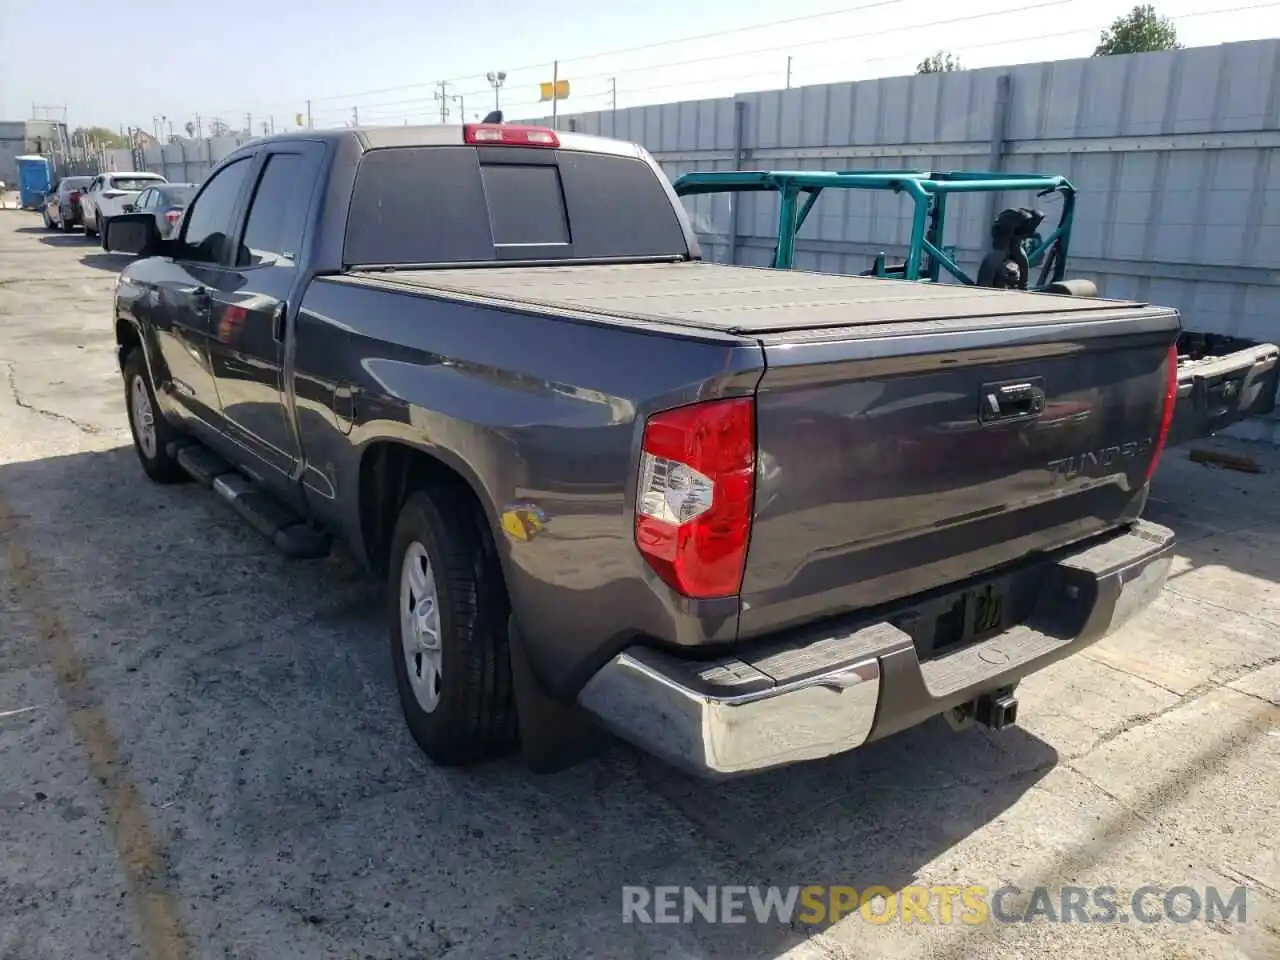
{"points": [[201, 755]]}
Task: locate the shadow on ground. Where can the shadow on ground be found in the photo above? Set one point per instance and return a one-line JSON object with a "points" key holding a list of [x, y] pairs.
{"points": [[253, 702], [113, 262], [1223, 518], [76, 239]]}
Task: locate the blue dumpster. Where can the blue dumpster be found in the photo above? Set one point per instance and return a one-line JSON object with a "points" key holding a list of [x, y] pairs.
{"points": [[35, 180]]}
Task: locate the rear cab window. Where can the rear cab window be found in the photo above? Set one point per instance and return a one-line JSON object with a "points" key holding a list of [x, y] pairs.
{"points": [[466, 204]]}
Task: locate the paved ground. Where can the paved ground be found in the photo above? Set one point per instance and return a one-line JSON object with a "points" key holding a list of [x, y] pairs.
{"points": [[201, 755]]}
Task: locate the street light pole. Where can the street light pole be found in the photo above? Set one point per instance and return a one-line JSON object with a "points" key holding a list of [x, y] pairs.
{"points": [[496, 79]]}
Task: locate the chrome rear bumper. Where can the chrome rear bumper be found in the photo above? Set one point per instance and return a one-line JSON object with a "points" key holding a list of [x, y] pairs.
{"points": [[821, 692]]}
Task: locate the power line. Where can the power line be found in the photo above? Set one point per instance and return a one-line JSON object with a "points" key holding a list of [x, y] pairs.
{"points": [[778, 48], [613, 75], [644, 46]]}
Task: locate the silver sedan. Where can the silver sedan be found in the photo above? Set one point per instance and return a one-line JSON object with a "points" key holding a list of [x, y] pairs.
{"points": [[166, 202]]}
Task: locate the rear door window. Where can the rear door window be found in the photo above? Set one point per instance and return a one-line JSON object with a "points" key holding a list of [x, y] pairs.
{"points": [[175, 196]]}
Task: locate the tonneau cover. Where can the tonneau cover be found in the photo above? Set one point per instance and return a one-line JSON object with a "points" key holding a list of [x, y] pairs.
{"points": [[746, 300]]}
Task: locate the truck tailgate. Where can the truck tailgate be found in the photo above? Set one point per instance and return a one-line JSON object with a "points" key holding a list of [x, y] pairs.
{"points": [[901, 458]]}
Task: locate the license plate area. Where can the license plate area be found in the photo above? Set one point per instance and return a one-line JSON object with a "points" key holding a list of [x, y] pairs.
{"points": [[975, 611], [973, 615]]}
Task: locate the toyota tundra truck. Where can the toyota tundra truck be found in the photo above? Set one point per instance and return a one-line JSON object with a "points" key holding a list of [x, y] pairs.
{"points": [[739, 517]]}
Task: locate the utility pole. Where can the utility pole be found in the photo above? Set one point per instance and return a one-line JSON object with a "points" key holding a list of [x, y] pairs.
{"points": [[788, 73], [248, 124], [613, 106], [355, 116], [199, 129], [555, 102], [462, 105], [496, 79], [442, 95], [308, 114], [273, 124]]}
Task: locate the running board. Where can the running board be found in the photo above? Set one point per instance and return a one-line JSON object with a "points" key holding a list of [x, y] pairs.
{"points": [[291, 534]]}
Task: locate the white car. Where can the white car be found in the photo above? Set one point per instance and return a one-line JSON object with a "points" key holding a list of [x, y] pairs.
{"points": [[108, 194]]}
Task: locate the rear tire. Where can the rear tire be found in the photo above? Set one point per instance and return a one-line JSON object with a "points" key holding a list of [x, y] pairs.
{"points": [[448, 613], [91, 232], [152, 433], [48, 224]]}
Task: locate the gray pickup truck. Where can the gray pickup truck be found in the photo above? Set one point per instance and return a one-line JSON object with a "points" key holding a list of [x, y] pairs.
{"points": [[739, 517]]}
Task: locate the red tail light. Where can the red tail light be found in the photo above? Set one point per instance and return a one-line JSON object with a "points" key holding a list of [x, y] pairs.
{"points": [[1166, 413], [75, 195], [174, 215], [695, 495], [510, 135]]}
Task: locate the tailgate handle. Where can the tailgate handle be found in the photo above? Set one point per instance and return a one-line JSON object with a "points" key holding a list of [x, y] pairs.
{"points": [[1011, 400]]}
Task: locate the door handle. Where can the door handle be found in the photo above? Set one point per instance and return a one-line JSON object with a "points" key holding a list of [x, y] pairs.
{"points": [[1011, 400], [278, 321]]}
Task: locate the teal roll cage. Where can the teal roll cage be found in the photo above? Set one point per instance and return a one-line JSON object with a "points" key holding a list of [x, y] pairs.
{"points": [[927, 255]]}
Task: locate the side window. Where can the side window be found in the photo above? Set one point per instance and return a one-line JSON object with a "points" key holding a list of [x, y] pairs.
{"points": [[278, 215], [209, 221], [144, 201]]}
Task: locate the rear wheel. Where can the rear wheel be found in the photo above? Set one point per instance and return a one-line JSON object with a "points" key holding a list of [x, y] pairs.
{"points": [[48, 224], [448, 612], [151, 432]]}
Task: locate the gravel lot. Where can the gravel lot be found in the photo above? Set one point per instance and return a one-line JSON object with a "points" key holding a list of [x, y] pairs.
{"points": [[201, 754]]}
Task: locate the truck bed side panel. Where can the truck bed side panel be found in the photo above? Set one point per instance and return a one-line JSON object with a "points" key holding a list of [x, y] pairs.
{"points": [[539, 414]]}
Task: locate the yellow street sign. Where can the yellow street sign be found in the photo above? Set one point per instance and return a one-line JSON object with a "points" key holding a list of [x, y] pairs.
{"points": [[297, 118], [553, 91]]}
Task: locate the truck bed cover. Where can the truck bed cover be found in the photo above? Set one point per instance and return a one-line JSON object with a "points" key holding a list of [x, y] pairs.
{"points": [[747, 300]]}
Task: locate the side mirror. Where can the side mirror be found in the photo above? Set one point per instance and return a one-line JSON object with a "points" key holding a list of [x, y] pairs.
{"points": [[133, 233]]}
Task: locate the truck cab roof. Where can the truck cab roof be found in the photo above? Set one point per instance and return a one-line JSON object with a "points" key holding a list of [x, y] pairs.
{"points": [[511, 194], [436, 135]]}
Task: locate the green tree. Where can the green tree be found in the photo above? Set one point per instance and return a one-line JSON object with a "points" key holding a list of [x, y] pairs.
{"points": [[940, 62], [1141, 30], [100, 135]]}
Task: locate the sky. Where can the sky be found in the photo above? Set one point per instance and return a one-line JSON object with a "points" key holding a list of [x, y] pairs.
{"points": [[260, 62]]}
